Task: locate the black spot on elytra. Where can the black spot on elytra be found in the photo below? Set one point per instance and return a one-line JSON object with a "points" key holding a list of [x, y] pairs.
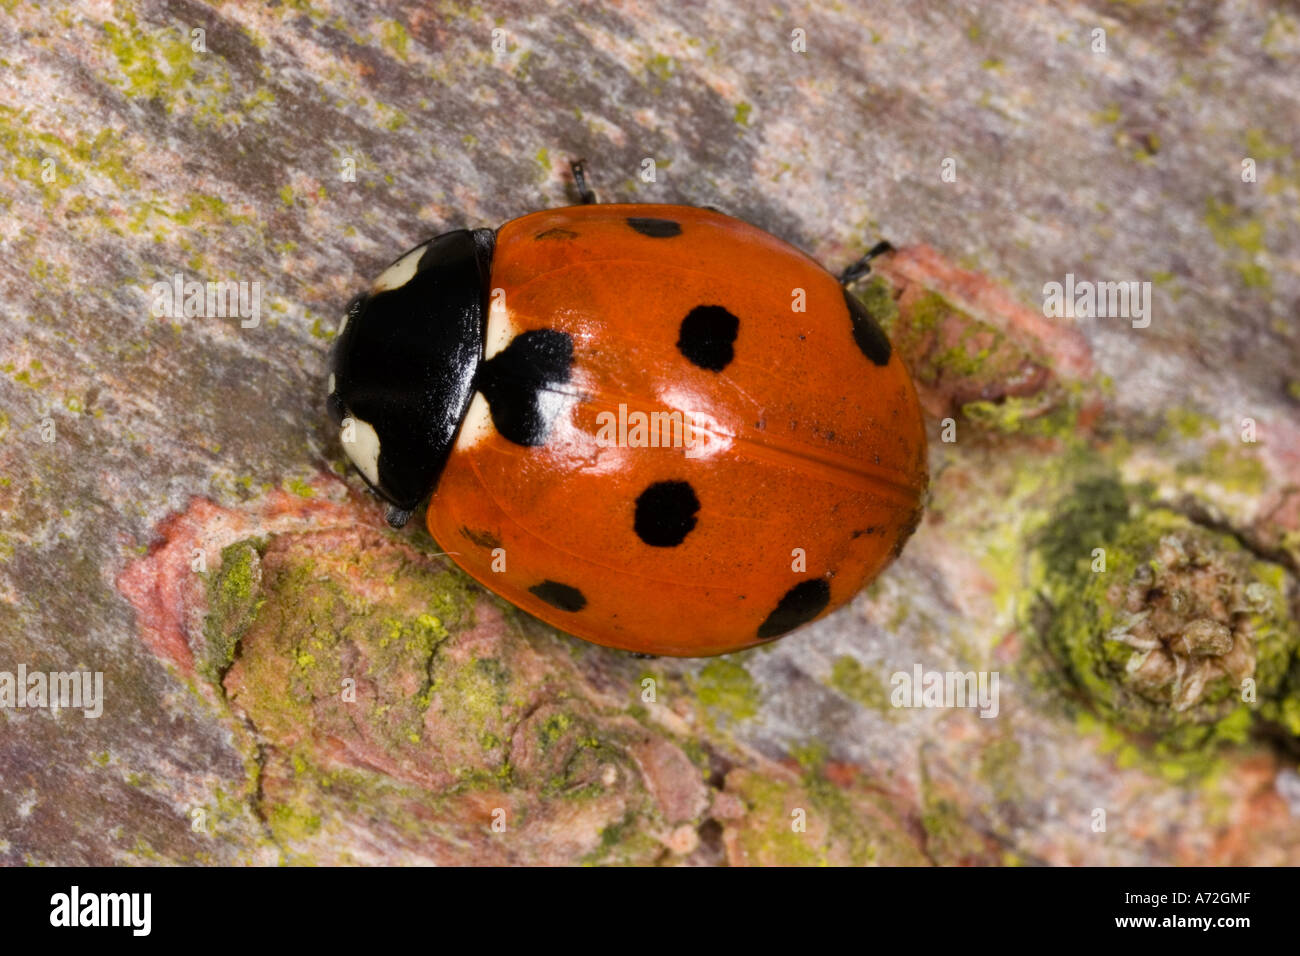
{"points": [[484, 539], [801, 604], [557, 233], [870, 337], [515, 379], [655, 228], [665, 513], [707, 337], [563, 596]]}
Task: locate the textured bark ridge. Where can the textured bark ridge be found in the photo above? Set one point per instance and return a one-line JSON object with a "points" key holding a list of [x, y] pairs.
{"points": [[1113, 528]]}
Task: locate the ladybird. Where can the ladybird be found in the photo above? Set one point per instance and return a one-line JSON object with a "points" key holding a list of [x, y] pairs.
{"points": [[656, 427]]}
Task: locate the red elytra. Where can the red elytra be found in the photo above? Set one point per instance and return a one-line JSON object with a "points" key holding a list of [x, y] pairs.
{"points": [[790, 477]]}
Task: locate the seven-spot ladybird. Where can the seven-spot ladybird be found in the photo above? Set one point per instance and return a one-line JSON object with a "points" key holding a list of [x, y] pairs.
{"points": [[656, 427]]}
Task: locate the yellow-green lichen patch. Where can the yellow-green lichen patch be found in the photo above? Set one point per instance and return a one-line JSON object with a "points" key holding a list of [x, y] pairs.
{"points": [[52, 164], [863, 821], [384, 685], [172, 66], [1243, 236], [152, 64], [1233, 466], [395, 38], [299, 487], [234, 599], [568, 758], [963, 365], [949, 838], [857, 682], [950, 834], [829, 815], [476, 695], [1043, 416], [1185, 423], [999, 767], [771, 835], [290, 823], [1165, 630], [624, 843], [725, 687], [661, 67], [308, 637]]}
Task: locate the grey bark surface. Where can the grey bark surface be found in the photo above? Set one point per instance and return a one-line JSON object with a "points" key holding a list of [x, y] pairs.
{"points": [[131, 157]]}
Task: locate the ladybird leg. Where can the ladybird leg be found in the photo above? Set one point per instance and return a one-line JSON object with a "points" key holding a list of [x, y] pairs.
{"points": [[857, 270], [585, 192], [397, 517]]}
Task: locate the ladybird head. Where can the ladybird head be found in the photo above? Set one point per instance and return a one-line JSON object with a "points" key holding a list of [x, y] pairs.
{"points": [[402, 371]]}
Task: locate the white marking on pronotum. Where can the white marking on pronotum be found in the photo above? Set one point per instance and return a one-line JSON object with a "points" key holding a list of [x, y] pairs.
{"points": [[500, 330], [400, 272], [331, 383], [477, 425], [343, 324], [364, 450]]}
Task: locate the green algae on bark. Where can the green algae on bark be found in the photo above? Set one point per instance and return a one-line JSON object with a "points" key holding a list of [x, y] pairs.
{"points": [[724, 686], [1165, 630], [862, 684], [234, 600], [997, 380], [386, 687], [823, 815]]}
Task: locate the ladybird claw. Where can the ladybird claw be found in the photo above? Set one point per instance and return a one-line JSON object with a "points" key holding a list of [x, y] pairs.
{"points": [[397, 517]]}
